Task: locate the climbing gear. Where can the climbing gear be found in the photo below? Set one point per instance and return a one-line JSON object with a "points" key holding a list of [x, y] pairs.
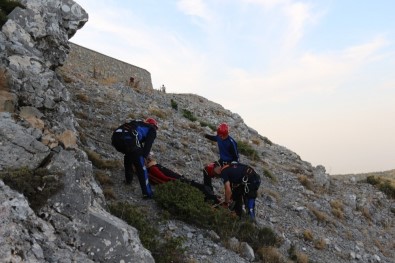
{"points": [[125, 138], [223, 130]]}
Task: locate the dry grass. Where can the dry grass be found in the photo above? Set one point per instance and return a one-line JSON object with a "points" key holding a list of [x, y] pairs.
{"points": [[271, 255], [158, 113], [308, 235], [321, 216], [82, 97], [302, 257], [109, 194], [337, 208], [320, 244], [103, 178], [270, 192], [256, 141], [100, 163], [305, 182], [109, 81]]}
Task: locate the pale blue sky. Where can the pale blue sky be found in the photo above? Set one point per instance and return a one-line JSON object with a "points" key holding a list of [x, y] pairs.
{"points": [[314, 76]]}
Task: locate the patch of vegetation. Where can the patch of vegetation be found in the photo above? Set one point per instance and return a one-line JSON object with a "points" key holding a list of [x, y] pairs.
{"points": [[189, 115], [206, 124], [3, 80], [174, 104], [166, 251], [271, 255], [304, 180], [268, 174], [6, 7], [386, 185], [267, 141], [158, 113], [297, 256], [337, 208], [36, 185], [246, 149], [186, 203], [100, 163]]}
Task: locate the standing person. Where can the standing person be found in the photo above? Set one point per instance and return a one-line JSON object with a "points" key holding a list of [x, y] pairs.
{"points": [[134, 139], [241, 184], [228, 152]]}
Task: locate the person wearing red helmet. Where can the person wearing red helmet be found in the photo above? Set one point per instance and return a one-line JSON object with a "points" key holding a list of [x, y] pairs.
{"points": [[227, 148], [134, 139]]}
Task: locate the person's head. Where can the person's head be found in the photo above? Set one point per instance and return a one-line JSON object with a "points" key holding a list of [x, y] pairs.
{"points": [[213, 170], [223, 131], [150, 162], [152, 121]]}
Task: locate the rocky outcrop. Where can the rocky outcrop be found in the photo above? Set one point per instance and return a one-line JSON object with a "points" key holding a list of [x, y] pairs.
{"points": [[37, 130]]}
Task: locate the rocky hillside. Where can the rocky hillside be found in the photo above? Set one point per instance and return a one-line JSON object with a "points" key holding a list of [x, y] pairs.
{"points": [[60, 120]]}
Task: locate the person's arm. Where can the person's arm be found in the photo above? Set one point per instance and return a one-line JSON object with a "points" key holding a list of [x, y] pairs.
{"points": [[233, 150], [228, 192], [151, 135], [211, 137]]}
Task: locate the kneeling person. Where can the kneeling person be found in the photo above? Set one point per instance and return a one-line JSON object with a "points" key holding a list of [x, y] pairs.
{"points": [[241, 184]]}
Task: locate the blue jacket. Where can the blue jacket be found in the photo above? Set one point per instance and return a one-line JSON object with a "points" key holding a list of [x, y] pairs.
{"points": [[228, 151]]}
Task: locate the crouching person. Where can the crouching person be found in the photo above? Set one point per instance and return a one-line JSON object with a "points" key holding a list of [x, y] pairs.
{"points": [[241, 184]]}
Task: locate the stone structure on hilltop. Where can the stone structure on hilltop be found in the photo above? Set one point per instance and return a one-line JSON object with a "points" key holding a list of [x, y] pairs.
{"points": [[104, 68]]}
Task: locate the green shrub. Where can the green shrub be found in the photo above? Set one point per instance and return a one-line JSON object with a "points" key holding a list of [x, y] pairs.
{"points": [[268, 174], [36, 185], [169, 250], [189, 115], [186, 203], [246, 149], [386, 185], [205, 124], [174, 104]]}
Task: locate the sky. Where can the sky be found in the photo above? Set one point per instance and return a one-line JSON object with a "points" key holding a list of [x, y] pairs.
{"points": [[316, 77]]}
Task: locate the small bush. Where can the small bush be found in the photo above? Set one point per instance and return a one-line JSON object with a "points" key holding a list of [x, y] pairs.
{"points": [[100, 163], [305, 182], [37, 185], [189, 115], [271, 255], [158, 113], [386, 185], [246, 149], [321, 216], [109, 193], [308, 235], [103, 178], [3, 79], [206, 124], [268, 174], [163, 252], [186, 203], [174, 104], [320, 244], [82, 97]]}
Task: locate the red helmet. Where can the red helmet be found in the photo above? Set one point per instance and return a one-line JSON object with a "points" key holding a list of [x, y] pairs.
{"points": [[212, 169], [152, 121], [223, 129]]}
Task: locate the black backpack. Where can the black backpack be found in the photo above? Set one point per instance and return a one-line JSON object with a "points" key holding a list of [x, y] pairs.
{"points": [[125, 137]]}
